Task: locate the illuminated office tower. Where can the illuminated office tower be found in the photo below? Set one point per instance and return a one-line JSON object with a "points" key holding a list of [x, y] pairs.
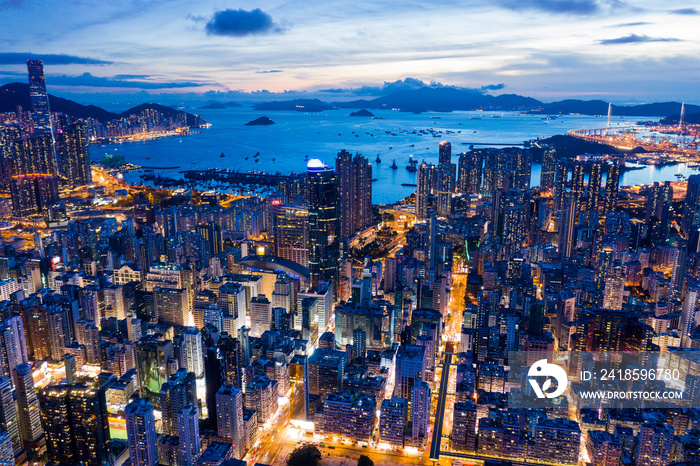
{"points": [[73, 155], [261, 396], [445, 188], [655, 445], [424, 190], [33, 194], [27, 406], [282, 296], [614, 289], [41, 112], [260, 315], [445, 152], [323, 222], [594, 185], [188, 425], [612, 186], [141, 433], [561, 179], [290, 226], [547, 172], [194, 352], [8, 414], [229, 417], [469, 172]]}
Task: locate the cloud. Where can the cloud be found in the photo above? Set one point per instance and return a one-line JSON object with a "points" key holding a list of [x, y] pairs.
{"points": [[635, 39], [49, 59], [567, 7], [268, 71], [239, 23], [492, 87], [88, 80], [625, 25], [685, 11]]}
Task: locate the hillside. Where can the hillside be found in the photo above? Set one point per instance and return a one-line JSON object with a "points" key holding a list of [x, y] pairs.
{"points": [[14, 94]]}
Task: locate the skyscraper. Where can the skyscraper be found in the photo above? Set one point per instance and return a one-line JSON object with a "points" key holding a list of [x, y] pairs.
{"points": [[76, 423], [41, 112], [561, 179], [470, 168], [27, 406], [323, 221], [260, 315], [73, 154], [612, 186], [141, 433], [290, 227], [188, 425], [424, 190], [354, 192], [549, 164], [445, 154], [8, 414], [229, 415], [33, 194], [445, 188], [594, 185]]}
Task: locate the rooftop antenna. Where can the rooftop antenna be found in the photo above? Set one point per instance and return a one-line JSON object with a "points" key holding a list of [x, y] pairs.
{"points": [[680, 120], [607, 126]]}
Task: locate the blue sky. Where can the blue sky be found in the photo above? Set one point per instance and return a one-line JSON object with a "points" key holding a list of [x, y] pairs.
{"points": [[635, 51]]}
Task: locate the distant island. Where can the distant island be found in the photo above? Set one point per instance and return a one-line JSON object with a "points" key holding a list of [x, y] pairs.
{"points": [[362, 113], [448, 99], [297, 105], [216, 105], [262, 121]]}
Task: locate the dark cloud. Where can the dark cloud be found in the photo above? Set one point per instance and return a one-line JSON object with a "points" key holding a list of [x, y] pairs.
{"points": [[268, 71], [492, 87], [625, 25], [635, 39], [685, 11], [239, 23], [567, 7], [49, 59], [88, 80]]}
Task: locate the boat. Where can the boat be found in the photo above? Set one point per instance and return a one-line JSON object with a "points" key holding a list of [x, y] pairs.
{"points": [[273, 159], [222, 155], [247, 158], [378, 160], [410, 185], [411, 167], [412, 145], [393, 165]]}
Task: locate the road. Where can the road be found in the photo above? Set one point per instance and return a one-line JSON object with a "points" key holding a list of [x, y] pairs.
{"points": [[435, 444]]}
